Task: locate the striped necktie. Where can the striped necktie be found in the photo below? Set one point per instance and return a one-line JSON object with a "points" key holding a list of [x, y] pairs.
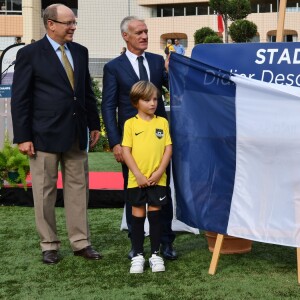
{"points": [[67, 65], [142, 69]]}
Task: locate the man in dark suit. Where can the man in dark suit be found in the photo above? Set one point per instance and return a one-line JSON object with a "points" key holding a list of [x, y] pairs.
{"points": [[119, 76], [53, 106]]}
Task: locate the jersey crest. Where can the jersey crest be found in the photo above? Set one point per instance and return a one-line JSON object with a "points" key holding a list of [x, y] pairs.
{"points": [[159, 133]]}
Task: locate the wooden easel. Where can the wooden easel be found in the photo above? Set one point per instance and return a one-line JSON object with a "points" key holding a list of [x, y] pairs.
{"points": [[216, 255]]}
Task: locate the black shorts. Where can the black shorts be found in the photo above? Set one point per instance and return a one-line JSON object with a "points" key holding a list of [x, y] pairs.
{"points": [[153, 195]]}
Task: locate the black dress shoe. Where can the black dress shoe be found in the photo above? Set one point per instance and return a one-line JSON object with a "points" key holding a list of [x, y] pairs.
{"points": [[168, 252], [88, 253], [50, 257]]}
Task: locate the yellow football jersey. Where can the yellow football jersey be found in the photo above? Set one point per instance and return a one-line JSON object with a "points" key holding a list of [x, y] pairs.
{"points": [[147, 140]]}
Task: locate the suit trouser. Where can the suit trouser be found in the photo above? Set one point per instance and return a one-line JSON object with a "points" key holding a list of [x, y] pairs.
{"points": [[167, 236], [44, 173]]}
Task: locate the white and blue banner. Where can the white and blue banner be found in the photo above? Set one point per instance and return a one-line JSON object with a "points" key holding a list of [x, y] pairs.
{"points": [[270, 62], [236, 153]]}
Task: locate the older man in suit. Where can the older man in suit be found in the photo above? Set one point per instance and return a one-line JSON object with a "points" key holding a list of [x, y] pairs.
{"points": [[120, 75], [52, 106]]}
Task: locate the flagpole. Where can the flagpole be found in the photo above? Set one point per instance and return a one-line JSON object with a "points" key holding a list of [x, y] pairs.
{"points": [[280, 21]]}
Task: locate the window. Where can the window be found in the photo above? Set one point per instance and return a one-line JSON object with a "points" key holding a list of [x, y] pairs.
{"points": [[292, 6], [165, 11], [178, 10], [70, 3], [10, 7], [287, 38], [264, 8], [190, 10], [257, 6], [73, 4], [254, 8], [203, 9]]}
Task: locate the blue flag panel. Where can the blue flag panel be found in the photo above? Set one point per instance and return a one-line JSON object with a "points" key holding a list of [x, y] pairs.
{"points": [[203, 130]]}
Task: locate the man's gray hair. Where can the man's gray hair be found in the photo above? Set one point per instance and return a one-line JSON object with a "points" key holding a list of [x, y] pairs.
{"points": [[169, 41], [125, 22]]}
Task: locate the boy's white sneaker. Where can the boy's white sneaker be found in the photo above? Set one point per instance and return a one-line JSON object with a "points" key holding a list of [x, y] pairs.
{"points": [[137, 264], [156, 263]]}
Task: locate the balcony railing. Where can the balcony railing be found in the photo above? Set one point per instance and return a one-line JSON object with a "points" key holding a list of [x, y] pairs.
{"points": [[10, 12]]}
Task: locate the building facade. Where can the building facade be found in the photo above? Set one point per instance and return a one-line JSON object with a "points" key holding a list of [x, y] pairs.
{"points": [[98, 23]]}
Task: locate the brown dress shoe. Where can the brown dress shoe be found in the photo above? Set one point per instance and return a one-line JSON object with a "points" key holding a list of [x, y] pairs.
{"points": [[88, 253], [50, 257]]}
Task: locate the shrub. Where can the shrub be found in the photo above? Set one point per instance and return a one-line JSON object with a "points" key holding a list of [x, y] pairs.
{"points": [[212, 39], [242, 31], [102, 144], [13, 161], [202, 33]]}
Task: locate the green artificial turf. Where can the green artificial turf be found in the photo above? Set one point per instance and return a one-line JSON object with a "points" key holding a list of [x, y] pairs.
{"points": [[267, 272], [103, 162]]}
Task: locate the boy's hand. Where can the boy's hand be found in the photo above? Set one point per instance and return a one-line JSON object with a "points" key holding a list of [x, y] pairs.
{"points": [[142, 181], [155, 177]]}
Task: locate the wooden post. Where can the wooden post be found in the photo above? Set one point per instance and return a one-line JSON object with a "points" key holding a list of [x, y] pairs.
{"points": [[298, 264], [280, 21], [216, 255]]}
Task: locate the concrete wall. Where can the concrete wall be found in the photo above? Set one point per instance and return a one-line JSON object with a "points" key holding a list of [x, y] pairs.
{"points": [[11, 25]]}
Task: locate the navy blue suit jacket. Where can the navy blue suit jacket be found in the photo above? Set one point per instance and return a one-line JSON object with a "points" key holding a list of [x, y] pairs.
{"points": [[45, 108], [118, 78]]}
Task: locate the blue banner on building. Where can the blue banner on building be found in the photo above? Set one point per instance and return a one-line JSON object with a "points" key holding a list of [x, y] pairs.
{"points": [[5, 91], [270, 62]]}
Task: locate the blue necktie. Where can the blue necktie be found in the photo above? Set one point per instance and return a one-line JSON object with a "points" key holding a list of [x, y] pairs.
{"points": [[142, 69]]}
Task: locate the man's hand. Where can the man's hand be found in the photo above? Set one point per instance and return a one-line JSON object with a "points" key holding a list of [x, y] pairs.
{"points": [[117, 150], [94, 137], [27, 148]]}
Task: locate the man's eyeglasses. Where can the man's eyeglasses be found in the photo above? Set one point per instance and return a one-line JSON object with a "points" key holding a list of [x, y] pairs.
{"points": [[69, 23]]}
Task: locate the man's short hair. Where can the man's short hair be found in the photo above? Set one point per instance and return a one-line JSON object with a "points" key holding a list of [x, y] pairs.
{"points": [[169, 41], [125, 22]]}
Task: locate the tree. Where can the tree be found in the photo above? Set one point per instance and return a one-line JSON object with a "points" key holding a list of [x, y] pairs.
{"points": [[231, 10], [242, 31], [202, 33]]}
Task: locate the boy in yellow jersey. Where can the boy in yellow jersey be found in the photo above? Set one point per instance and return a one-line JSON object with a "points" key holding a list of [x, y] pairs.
{"points": [[147, 150]]}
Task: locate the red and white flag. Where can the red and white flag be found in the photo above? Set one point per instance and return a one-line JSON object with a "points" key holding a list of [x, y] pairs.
{"points": [[220, 23]]}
